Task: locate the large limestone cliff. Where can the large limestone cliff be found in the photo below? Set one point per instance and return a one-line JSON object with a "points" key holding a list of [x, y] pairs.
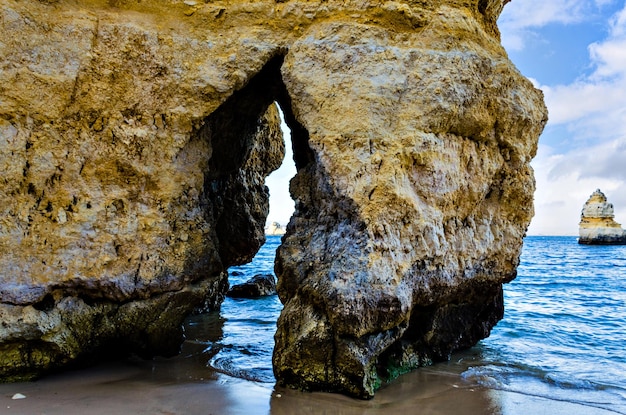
{"points": [[135, 138], [597, 224], [133, 162]]}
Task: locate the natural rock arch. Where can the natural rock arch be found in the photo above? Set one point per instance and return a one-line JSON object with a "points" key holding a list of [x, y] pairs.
{"points": [[135, 139], [233, 130]]}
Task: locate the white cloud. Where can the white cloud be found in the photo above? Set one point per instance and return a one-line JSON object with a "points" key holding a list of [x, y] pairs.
{"points": [[583, 100], [599, 162], [593, 110], [596, 102], [618, 24], [521, 18], [523, 14], [610, 55], [281, 204], [565, 182]]}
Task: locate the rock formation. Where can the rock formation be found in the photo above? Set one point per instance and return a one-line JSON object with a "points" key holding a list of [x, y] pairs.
{"points": [[135, 138], [597, 226], [134, 161], [274, 229], [260, 285], [413, 203]]}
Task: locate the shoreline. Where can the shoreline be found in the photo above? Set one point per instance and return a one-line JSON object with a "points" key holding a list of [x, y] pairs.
{"points": [[151, 387]]}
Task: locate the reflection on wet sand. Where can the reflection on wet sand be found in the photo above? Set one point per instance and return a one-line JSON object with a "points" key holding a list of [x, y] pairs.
{"points": [[422, 392], [186, 385], [194, 383]]}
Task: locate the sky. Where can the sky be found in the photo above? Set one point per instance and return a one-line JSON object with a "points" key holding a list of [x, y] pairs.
{"points": [[281, 204], [575, 52]]}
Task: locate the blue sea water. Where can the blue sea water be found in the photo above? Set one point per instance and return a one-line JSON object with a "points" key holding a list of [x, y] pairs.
{"points": [[245, 327], [563, 336]]}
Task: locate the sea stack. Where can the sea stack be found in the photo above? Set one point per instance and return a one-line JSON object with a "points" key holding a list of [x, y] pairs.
{"points": [[135, 138], [597, 226], [274, 229]]}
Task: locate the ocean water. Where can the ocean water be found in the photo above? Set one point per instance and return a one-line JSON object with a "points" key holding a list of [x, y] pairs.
{"points": [[563, 336], [239, 338]]}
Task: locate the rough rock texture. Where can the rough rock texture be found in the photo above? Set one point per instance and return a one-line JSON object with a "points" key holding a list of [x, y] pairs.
{"points": [[411, 210], [597, 226], [135, 136], [258, 286], [133, 177]]}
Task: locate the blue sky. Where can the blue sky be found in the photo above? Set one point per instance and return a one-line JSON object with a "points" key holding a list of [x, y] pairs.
{"points": [[575, 51]]}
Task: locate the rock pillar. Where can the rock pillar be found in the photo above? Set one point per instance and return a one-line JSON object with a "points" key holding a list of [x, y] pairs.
{"points": [[411, 209], [597, 224]]}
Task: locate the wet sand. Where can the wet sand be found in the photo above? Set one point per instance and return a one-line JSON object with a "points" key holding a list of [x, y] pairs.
{"points": [[165, 387]]}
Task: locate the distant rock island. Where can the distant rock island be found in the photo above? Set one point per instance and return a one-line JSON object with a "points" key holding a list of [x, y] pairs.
{"points": [[274, 229], [597, 226]]}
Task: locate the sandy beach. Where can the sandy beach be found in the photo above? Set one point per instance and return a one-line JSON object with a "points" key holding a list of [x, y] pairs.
{"points": [[530, 365], [165, 387]]}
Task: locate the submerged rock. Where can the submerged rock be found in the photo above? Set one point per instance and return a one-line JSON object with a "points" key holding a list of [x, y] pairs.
{"points": [[258, 286], [597, 224], [134, 144]]}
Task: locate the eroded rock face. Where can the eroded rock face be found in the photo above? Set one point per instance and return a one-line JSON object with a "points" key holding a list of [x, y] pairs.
{"points": [[597, 224], [411, 213], [135, 138], [133, 176]]}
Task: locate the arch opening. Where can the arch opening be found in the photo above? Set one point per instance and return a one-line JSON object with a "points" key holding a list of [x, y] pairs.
{"points": [[236, 338], [281, 204], [244, 150], [243, 329]]}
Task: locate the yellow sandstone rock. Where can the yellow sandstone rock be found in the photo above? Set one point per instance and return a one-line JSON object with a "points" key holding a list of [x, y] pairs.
{"points": [[597, 224], [134, 142]]}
